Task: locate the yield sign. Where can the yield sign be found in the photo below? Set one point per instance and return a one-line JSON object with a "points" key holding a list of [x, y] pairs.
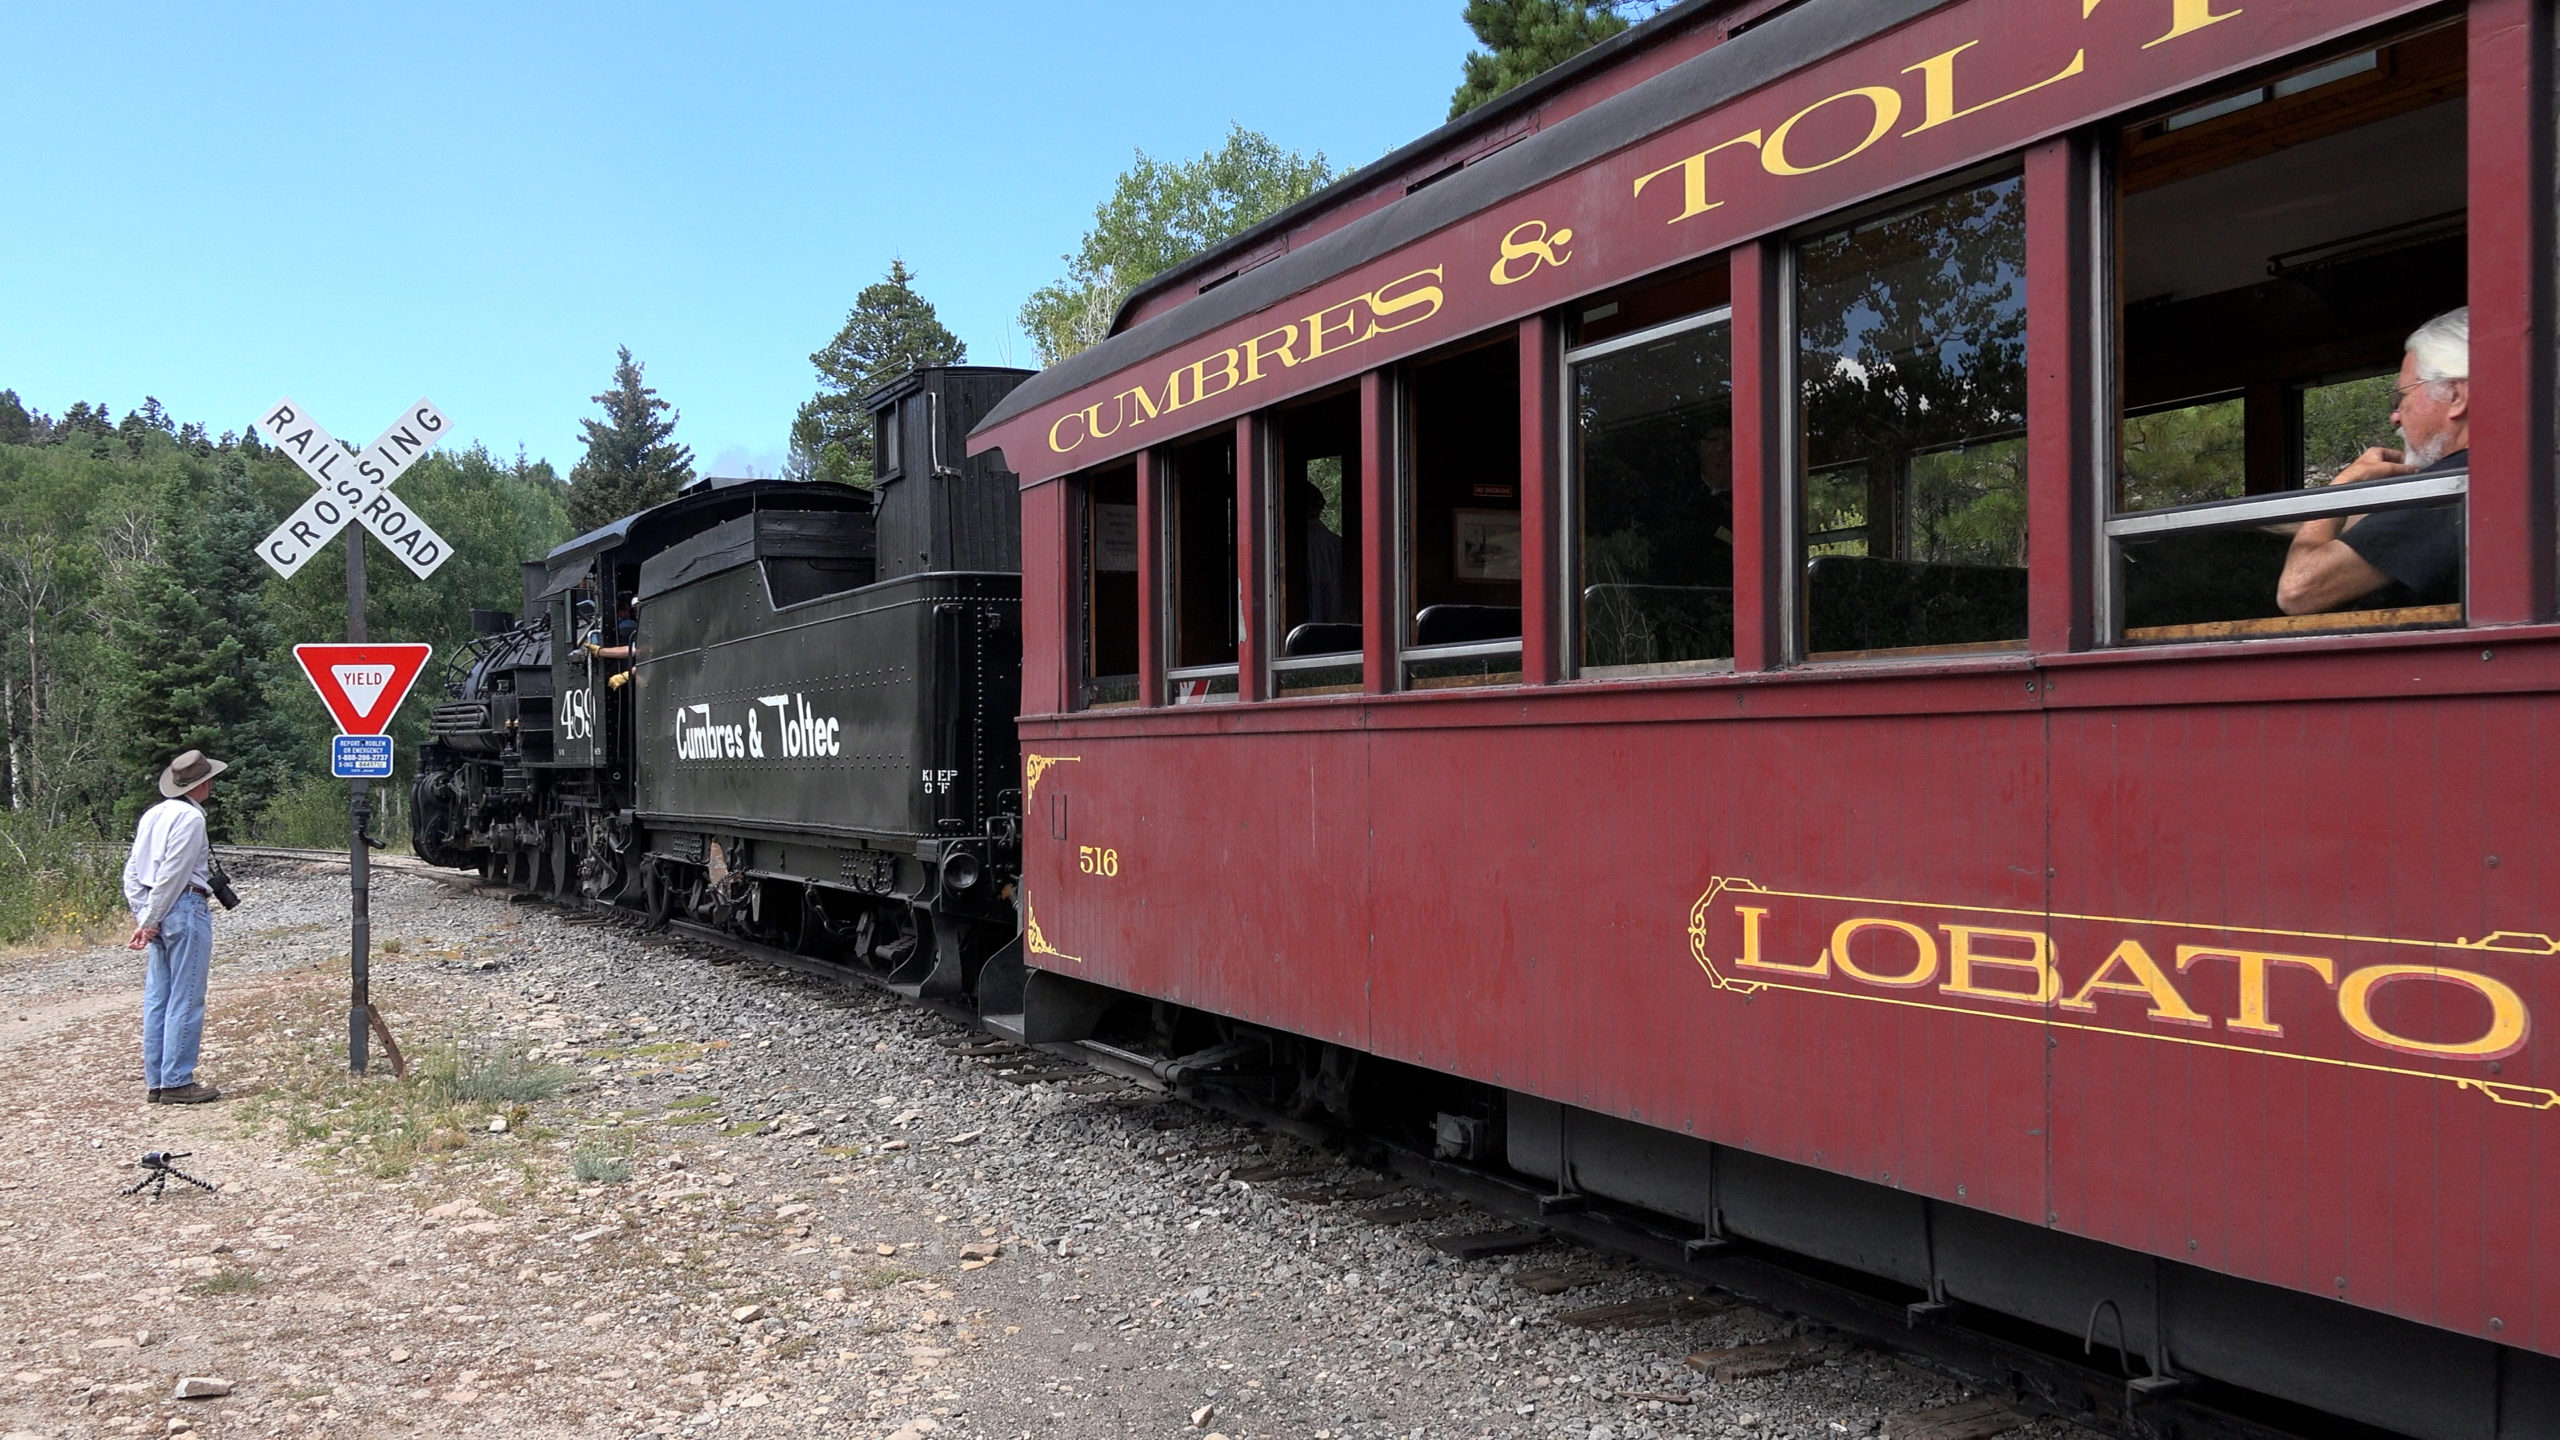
{"points": [[362, 685]]}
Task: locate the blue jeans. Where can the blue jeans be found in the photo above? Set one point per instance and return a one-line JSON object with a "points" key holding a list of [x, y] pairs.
{"points": [[173, 994]]}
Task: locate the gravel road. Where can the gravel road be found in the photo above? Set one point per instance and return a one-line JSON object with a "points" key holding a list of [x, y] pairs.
{"points": [[836, 1219]]}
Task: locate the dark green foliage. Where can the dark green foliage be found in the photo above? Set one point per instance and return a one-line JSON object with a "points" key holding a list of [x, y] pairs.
{"points": [[135, 619], [890, 331], [2341, 421], [1527, 37], [1160, 214], [630, 463], [192, 655], [17, 427]]}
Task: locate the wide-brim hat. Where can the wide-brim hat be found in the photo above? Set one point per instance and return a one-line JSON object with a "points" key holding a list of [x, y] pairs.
{"points": [[189, 771]]}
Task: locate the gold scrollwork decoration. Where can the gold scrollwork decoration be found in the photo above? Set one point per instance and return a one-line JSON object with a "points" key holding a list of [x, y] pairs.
{"points": [[1035, 766], [1037, 943]]}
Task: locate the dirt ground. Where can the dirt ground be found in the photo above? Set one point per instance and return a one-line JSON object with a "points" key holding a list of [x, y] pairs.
{"points": [[626, 1192]]}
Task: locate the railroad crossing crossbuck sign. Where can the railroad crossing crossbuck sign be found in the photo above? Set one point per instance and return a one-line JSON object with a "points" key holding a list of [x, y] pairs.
{"points": [[353, 487]]}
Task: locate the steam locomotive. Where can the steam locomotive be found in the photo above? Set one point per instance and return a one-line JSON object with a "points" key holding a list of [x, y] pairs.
{"points": [[782, 710]]}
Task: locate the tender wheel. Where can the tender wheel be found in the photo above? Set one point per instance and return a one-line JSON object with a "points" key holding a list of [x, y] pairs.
{"points": [[660, 889]]}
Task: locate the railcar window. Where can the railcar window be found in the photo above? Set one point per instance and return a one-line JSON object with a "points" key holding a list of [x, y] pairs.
{"points": [[1461, 549], [2259, 355], [1110, 550], [1203, 598], [1652, 475], [1911, 333], [1316, 544]]}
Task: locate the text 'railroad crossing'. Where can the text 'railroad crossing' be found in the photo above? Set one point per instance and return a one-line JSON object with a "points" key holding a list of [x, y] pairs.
{"points": [[353, 487]]}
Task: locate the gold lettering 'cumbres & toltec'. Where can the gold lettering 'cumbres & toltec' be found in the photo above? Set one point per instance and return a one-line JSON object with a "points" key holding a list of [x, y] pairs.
{"points": [[1867, 115], [2366, 1002], [1399, 304]]}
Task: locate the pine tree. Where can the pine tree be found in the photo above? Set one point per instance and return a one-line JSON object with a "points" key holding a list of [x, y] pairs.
{"points": [[17, 427], [193, 650], [890, 331], [1528, 37], [630, 464]]}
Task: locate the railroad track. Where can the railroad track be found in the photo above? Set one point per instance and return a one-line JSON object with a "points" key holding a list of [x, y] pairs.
{"points": [[2039, 1377]]}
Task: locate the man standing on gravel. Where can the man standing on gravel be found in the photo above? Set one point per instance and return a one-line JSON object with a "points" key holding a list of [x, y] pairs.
{"points": [[167, 880]]}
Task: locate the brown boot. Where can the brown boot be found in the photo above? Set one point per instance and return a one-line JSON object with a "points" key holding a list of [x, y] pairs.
{"points": [[191, 1093], [151, 1096]]}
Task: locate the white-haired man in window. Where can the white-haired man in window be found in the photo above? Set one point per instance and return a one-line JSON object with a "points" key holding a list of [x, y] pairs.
{"points": [[2414, 555]]}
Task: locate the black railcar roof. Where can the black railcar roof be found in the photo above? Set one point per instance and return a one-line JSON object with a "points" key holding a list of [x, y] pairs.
{"points": [[648, 531]]}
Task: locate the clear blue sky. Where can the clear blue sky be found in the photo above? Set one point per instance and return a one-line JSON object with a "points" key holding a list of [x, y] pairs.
{"points": [[357, 204]]}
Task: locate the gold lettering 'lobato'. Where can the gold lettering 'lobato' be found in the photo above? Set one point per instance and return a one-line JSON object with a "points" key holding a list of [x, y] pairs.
{"points": [[1751, 958], [2509, 1023], [1965, 957], [1924, 952], [2255, 966], [2149, 981]]}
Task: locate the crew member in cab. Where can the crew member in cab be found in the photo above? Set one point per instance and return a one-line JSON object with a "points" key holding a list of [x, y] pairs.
{"points": [[2403, 557]]}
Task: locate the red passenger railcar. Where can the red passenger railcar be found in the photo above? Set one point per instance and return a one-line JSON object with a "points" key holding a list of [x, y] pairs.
{"points": [[1770, 606]]}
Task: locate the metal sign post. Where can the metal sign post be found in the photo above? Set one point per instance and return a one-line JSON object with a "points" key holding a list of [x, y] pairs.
{"points": [[363, 686], [359, 864], [355, 487]]}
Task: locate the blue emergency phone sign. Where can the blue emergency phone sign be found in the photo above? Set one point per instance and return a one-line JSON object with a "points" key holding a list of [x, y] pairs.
{"points": [[360, 757]]}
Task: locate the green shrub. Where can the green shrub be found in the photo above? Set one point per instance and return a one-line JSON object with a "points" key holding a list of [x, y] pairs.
{"points": [[599, 1167], [53, 881], [481, 1073], [311, 814]]}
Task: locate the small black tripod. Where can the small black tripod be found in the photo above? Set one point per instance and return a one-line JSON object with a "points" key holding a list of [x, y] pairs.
{"points": [[158, 1172]]}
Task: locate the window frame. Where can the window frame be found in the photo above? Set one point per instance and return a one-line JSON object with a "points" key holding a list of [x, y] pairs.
{"points": [[1272, 503], [1402, 654], [1168, 549], [1568, 488], [2108, 526], [1789, 593], [1085, 523]]}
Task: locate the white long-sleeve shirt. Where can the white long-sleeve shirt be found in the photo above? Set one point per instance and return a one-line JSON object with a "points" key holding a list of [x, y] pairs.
{"points": [[170, 852]]}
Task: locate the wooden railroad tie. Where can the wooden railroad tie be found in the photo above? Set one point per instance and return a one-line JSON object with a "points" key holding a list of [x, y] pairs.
{"points": [[1265, 1174], [1038, 1077], [1393, 1215], [1967, 1420], [1557, 1279], [1477, 1244], [1639, 1314], [1751, 1362]]}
